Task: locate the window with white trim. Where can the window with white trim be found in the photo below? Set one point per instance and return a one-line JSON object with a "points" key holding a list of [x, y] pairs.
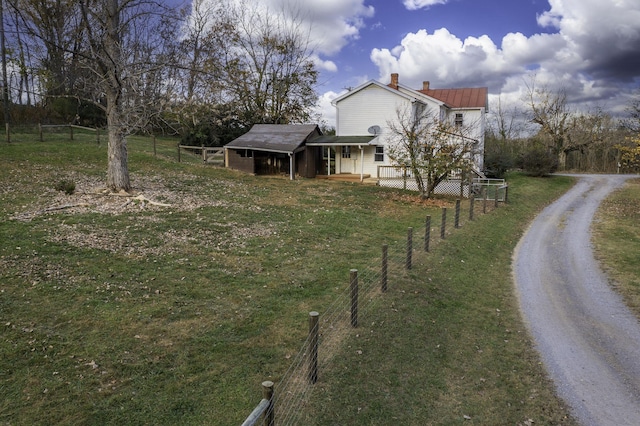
{"points": [[346, 152], [379, 155], [458, 120]]}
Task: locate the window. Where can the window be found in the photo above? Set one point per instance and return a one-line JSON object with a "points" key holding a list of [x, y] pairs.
{"points": [[346, 152], [458, 121], [379, 155]]}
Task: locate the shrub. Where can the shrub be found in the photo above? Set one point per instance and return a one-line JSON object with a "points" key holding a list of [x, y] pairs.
{"points": [[538, 162], [66, 186], [497, 163]]}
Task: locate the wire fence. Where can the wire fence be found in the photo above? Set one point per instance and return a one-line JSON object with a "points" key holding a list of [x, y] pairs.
{"points": [[327, 331]]}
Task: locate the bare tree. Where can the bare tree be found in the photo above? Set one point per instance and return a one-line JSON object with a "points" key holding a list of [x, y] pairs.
{"points": [[551, 112], [268, 67], [429, 147], [126, 59]]}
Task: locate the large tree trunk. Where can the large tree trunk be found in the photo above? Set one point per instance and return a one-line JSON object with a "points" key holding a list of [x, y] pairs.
{"points": [[117, 168]]}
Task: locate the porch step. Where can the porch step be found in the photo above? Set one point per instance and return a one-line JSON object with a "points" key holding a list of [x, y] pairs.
{"points": [[345, 177]]}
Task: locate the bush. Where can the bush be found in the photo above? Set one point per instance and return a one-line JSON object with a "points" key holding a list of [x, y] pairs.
{"points": [[497, 163], [538, 162], [66, 186], [201, 135]]}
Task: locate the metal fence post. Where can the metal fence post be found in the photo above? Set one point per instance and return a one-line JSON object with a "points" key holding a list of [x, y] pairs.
{"points": [[267, 393], [484, 203], [427, 233], [353, 280], [409, 247], [385, 264], [457, 215], [443, 226], [313, 346]]}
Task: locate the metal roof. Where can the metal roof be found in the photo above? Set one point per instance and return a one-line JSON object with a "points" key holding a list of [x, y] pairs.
{"points": [[283, 138], [473, 97]]}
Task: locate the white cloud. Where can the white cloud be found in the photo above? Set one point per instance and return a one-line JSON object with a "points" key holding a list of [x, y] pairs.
{"points": [[324, 108], [593, 52], [421, 4], [332, 23]]}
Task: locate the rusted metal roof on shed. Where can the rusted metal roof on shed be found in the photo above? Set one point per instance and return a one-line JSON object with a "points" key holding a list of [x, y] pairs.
{"points": [[283, 138], [472, 97]]}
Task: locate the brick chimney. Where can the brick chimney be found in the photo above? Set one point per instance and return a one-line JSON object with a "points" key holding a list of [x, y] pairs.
{"points": [[394, 81], [425, 85]]}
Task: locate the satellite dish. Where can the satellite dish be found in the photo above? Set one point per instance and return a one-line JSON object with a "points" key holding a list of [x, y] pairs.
{"points": [[374, 130]]}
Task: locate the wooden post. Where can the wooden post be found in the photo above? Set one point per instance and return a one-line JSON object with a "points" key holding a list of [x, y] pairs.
{"points": [[178, 152], [506, 193], [457, 215], [97, 136], [353, 279], [40, 131], [427, 233], [71, 131], [443, 226], [155, 152], [484, 203], [7, 132], [204, 154], [472, 201], [267, 393], [409, 247], [495, 198], [313, 346], [385, 264]]}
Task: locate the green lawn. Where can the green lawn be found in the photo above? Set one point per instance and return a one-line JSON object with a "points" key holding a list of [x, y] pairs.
{"points": [[119, 311]]}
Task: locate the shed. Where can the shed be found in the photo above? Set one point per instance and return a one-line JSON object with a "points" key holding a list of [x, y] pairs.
{"points": [[275, 148]]}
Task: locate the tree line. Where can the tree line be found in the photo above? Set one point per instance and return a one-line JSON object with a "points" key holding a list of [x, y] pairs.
{"points": [[206, 71], [543, 133]]}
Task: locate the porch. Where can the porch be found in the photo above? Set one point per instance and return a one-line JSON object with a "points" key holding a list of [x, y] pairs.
{"points": [[350, 177]]}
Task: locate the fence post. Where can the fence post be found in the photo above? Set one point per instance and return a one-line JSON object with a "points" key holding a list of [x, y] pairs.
{"points": [[71, 131], [155, 152], [267, 393], [495, 201], [178, 151], [385, 264], [204, 154], [7, 132], [313, 346], [97, 136], [472, 201], [409, 247], [457, 215], [353, 280], [427, 233], [506, 193], [443, 225], [484, 203]]}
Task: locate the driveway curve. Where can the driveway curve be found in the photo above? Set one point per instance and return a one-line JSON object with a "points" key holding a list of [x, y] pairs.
{"points": [[588, 340]]}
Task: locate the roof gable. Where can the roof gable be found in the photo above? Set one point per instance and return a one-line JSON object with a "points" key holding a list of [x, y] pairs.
{"points": [[284, 138], [367, 84]]}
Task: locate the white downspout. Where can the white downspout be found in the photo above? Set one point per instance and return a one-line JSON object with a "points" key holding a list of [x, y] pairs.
{"points": [[361, 163], [291, 168]]}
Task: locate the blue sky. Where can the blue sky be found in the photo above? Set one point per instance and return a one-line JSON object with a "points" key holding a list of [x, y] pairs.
{"points": [[589, 48]]}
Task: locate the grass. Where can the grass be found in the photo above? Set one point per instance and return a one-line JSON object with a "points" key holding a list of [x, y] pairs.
{"points": [[616, 239], [123, 312]]}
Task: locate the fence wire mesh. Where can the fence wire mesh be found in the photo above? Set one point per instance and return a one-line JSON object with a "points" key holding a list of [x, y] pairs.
{"points": [[335, 323]]}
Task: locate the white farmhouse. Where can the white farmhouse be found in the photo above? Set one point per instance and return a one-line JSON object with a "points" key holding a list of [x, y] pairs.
{"points": [[360, 145]]}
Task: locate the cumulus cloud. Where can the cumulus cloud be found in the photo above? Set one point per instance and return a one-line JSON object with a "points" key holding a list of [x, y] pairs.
{"points": [[331, 23], [421, 4], [591, 48]]}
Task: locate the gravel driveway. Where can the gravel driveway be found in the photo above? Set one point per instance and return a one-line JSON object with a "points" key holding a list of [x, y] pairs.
{"points": [[588, 339]]}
